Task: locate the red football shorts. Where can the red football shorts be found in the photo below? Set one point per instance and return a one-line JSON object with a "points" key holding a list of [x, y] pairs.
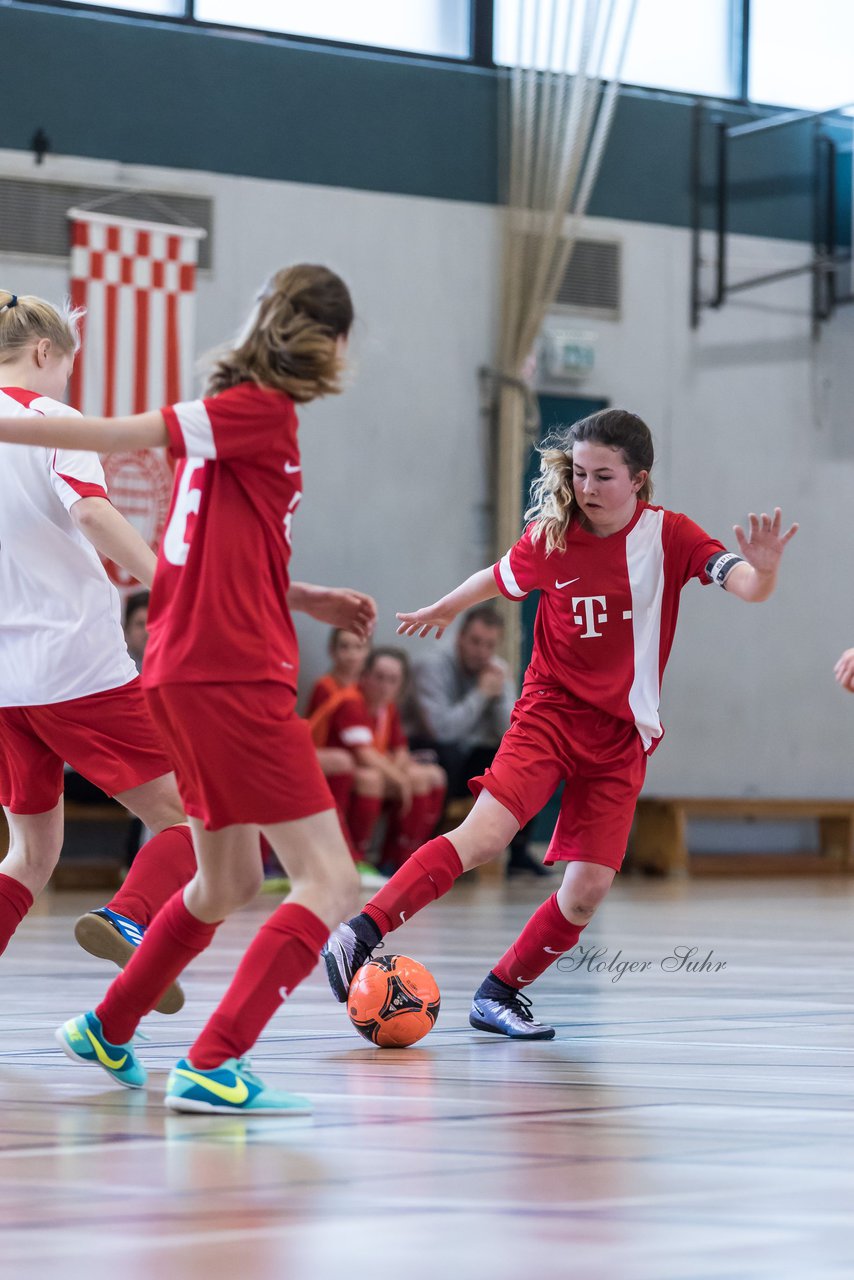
{"points": [[241, 753], [554, 737], [107, 737]]}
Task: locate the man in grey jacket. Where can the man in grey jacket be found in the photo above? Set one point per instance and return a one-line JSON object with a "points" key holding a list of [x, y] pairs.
{"points": [[463, 699]]}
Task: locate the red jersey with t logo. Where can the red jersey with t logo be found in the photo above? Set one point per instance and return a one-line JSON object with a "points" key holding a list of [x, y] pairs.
{"points": [[608, 608], [219, 610]]}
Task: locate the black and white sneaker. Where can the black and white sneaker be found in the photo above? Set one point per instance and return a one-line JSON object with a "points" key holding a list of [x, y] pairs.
{"points": [[347, 949], [506, 1012]]}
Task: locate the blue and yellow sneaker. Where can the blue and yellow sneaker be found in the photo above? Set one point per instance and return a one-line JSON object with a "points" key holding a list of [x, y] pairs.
{"points": [[110, 936], [83, 1039], [231, 1089]]}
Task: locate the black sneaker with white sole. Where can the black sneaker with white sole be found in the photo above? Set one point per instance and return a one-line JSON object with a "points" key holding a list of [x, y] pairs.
{"points": [[349, 947], [506, 1012]]}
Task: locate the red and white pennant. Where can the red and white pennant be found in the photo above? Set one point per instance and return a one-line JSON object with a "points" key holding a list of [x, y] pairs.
{"points": [[137, 283]]}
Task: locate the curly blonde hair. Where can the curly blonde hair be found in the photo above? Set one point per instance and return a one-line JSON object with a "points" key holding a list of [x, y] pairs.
{"points": [[290, 342], [552, 494]]}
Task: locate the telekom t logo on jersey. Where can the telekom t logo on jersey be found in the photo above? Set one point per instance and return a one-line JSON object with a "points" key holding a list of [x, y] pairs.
{"points": [[594, 612]]}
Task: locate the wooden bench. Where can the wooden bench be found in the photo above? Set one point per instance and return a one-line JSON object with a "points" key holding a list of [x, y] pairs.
{"points": [[659, 845], [77, 872]]}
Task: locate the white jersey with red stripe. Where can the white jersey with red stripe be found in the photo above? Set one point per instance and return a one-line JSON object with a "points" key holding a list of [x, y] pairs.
{"points": [[219, 610], [60, 616], [608, 608]]}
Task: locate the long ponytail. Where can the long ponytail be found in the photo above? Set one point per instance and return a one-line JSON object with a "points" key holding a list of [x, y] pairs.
{"points": [[290, 342]]}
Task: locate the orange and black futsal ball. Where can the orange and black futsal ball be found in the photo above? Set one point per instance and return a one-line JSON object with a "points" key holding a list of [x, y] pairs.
{"points": [[393, 1001]]}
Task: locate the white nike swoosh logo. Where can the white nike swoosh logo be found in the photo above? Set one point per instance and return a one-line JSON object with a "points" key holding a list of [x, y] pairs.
{"points": [[552, 951], [291, 468], [560, 585]]}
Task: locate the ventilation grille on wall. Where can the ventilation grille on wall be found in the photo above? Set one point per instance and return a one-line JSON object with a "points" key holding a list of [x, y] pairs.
{"points": [[33, 215], [592, 281]]}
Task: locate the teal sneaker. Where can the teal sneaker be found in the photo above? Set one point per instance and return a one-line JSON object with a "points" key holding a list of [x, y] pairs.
{"points": [[83, 1040], [231, 1089]]}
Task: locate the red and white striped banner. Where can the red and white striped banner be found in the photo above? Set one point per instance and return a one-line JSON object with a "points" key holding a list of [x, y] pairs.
{"points": [[137, 282]]}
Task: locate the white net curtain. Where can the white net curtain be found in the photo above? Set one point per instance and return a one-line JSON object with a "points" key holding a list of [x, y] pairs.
{"points": [[560, 96]]}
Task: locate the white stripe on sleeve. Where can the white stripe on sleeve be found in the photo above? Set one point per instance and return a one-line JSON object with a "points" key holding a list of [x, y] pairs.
{"points": [[196, 429], [357, 736], [509, 578]]}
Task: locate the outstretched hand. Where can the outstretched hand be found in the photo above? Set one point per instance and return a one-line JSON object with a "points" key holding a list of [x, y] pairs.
{"points": [[346, 609], [844, 670], [422, 622], [763, 544]]}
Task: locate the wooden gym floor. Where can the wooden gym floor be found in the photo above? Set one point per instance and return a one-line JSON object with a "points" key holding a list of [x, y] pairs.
{"points": [[682, 1126]]}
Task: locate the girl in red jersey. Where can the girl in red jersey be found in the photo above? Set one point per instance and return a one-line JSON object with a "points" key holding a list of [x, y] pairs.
{"points": [[68, 689], [368, 724], [357, 790], [610, 568], [349, 653], [220, 676]]}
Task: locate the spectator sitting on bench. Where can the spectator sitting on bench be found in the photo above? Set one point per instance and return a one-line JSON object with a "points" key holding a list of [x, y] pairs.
{"points": [[354, 789], [367, 723], [460, 708]]}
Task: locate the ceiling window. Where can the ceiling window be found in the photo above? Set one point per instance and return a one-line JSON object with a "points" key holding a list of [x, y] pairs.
{"points": [[438, 27], [169, 8], [683, 45], [802, 55]]}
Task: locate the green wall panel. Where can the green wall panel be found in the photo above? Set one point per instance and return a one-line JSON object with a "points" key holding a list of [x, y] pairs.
{"points": [[143, 92]]}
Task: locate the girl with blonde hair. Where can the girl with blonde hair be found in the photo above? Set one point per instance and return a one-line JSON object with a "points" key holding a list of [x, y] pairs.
{"points": [[610, 567], [69, 691], [220, 676]]}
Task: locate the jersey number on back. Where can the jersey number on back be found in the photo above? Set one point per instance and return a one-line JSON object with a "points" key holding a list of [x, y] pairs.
{"points": [[176, 543], [289, 517]]}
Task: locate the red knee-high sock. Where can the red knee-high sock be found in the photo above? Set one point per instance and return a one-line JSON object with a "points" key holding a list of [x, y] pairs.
{"points": [[409, 830], [341, 786], [362, 816], [433, 811], [15, 902], [163, 866], [405, 832], [174, 938], [426, 876], [284, 951], [547, 935]]}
